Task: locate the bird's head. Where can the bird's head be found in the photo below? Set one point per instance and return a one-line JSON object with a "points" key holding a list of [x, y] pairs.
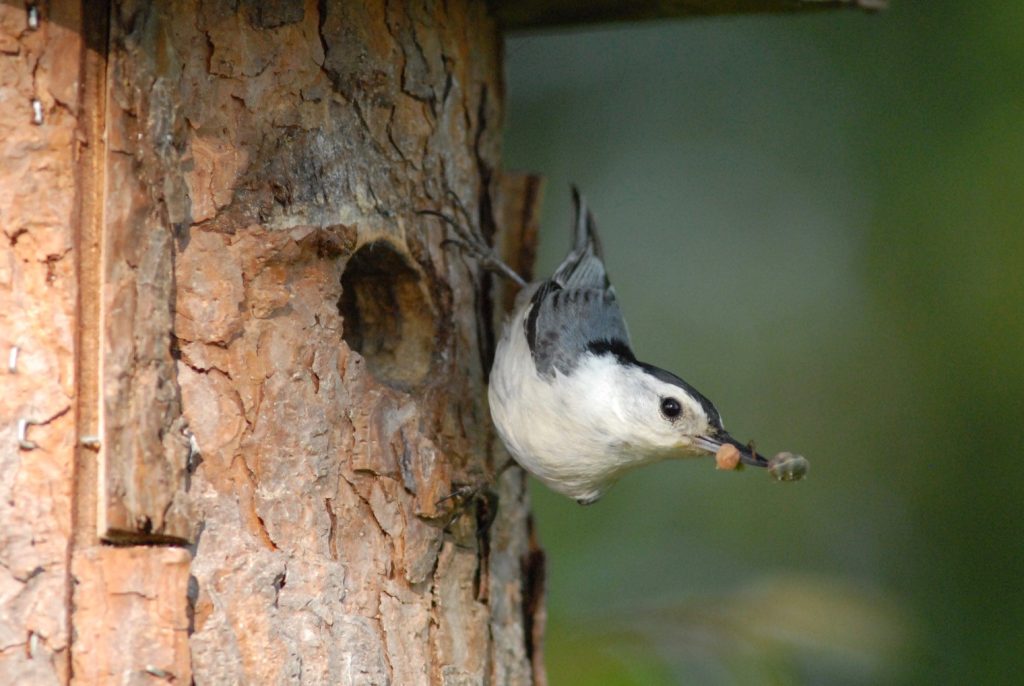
{"points": [[660, 415]]}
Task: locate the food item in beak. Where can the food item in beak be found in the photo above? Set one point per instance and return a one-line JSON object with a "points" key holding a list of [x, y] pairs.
{"points": [[727, 457]]}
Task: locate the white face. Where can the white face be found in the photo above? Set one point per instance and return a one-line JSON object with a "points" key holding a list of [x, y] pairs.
{"points": [[666, 418], [645, 416]]}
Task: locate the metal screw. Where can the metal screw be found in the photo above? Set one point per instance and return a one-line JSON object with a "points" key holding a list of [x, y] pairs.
{"points": [[92, 442], [12, 360], [23, 441], [159, 673], [37, 112], [193, 444], [33, 17]]}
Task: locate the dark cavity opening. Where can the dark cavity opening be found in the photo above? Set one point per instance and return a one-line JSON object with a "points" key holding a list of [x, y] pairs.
{"points": [[388, 318]]}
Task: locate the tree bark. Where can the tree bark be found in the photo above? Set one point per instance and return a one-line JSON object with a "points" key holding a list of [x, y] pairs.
{"points": [[40, 109], [280, 370]]}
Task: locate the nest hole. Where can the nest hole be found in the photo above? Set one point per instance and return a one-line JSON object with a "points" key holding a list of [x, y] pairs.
{"points": [[388, 317]]}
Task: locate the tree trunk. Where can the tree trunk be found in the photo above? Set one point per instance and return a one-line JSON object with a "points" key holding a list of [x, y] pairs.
{"points": [[241, 369], [248, 370]]}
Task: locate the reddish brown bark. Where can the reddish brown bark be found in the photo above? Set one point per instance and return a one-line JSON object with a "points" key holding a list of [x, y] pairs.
{"points": [[39, 106], [259, 295]]}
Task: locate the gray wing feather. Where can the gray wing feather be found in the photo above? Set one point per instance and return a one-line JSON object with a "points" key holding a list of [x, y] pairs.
{"points": [[577, 307]]}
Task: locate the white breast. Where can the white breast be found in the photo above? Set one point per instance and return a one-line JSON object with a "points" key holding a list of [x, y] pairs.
{"points": [[565, 432]]}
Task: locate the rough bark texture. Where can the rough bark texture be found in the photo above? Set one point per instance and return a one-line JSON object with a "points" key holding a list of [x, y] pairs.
{"points": [[330, 365], [280, 362], [39, 75], [144, 451]]}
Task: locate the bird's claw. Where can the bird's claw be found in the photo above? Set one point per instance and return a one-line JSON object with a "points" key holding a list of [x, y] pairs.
{"points": [[470, 241], [465, 497]]}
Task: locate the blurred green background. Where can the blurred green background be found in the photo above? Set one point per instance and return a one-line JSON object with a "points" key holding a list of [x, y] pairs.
{"points": [[817, 221]]}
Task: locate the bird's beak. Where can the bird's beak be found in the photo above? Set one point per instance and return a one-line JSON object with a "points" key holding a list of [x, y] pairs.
{"points": [[747, 454]]}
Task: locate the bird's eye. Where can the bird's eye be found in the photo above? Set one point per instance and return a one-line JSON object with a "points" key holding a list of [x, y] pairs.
{"points": [[670, 407]]}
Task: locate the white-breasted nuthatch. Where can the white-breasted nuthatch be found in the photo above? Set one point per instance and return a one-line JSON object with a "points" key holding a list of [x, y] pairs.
{"points": [[569, 398], [571, 402]]}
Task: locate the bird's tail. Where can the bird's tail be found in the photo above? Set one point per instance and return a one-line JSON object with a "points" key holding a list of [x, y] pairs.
{"points": [[585, 234], [583, 267]]}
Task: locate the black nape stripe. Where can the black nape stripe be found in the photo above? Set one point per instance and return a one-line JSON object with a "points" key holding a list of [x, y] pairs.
{"points": [[714, 418], [613, 346], [624, 355]]}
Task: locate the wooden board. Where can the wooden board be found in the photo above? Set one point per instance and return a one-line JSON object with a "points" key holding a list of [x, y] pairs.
{"points": [[536, 14]]}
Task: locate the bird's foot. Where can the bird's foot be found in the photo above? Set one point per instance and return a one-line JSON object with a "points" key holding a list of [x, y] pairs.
{"points": [[481, 500], [471, 241], [481, 496]]}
